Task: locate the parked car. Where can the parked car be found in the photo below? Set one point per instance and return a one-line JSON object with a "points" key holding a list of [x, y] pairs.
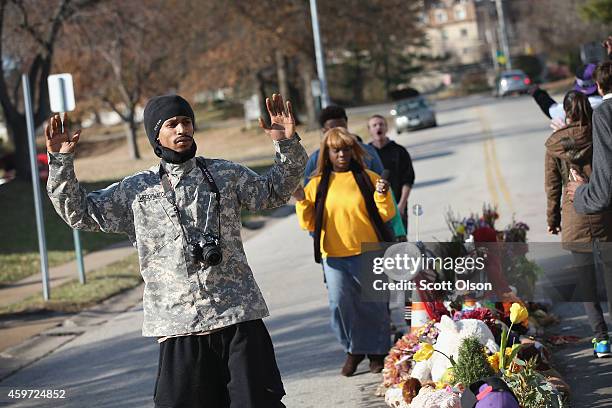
{"points": [[413, 113], [512, 82]]}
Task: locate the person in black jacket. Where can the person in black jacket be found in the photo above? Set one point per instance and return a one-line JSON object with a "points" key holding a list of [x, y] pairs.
{"points": [[396, 159], [594, 195]]}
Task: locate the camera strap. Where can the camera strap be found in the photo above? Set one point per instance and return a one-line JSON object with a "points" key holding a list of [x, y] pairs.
{"points": [[213, 188], [170, 196]]}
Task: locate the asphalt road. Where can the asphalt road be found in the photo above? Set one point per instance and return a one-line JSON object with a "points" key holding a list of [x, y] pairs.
{"points": [[484, 150]]}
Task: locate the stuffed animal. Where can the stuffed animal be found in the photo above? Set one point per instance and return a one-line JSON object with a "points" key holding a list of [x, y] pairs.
{"points": [[448, 342], [410, 389], [400, 396], [429, 397], [394, 398]]}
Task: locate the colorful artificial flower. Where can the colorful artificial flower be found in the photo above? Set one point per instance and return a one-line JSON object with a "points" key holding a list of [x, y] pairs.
{"points": [[424, 353], [518, 313], [494, 361]]}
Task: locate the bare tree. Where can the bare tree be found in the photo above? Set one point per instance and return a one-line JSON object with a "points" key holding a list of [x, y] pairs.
{"points": [[131, 54], [554, 27], [29, 31]]}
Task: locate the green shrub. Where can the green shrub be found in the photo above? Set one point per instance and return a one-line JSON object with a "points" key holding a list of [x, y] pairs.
{"points": [[472, 363]]}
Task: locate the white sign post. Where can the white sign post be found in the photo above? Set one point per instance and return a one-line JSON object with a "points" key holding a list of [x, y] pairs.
{"points": [[61, 99]]}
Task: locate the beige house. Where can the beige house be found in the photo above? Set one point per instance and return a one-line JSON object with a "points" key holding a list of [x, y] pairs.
{"points": [[451, 28]]}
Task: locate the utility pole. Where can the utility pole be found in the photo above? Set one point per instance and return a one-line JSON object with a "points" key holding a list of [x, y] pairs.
{"points": [[503, 35], [489, 37], [38, 208], [319, 54]]}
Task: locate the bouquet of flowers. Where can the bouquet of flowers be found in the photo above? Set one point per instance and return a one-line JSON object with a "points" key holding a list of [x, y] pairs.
{"points": [[400, 360], [520, 271], [516, 232], [462, 228]]}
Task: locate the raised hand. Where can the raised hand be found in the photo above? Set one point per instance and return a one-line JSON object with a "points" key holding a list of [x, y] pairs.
{"points": [[58, 141], [282, 121], [382, 186], [557, 124]]}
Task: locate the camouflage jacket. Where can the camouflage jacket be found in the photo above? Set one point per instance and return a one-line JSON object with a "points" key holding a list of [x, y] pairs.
{"points": [[179, 296]]}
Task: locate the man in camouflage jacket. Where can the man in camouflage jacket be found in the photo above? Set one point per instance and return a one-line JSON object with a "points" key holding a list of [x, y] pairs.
{"points": [[214, 348]]}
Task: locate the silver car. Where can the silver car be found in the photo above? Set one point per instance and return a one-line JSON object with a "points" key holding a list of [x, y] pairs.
{"points": [[413, 113], [512, 82]]}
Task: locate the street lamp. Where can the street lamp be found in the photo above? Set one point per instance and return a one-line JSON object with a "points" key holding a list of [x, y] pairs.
{"points": [[503, 35], [319, 54]]}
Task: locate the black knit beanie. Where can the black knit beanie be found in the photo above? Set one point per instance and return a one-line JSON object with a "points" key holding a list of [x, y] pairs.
{"points": [[158, 110]]}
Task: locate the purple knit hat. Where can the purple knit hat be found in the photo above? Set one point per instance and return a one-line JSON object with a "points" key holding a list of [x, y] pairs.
{"points": [[584, 79], [490, 392], [487, 398]]}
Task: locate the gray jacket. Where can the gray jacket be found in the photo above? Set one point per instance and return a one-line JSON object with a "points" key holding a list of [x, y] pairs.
{"points": [[179, 296], [596, 196]]}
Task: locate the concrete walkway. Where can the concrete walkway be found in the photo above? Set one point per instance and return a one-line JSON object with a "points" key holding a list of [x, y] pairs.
{"points": [[590, 378], [17, 328]]}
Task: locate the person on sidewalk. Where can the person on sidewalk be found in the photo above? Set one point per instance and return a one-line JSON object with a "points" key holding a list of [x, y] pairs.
{"points": [[396, 159], [335, 116], [593, 195], [584, 83], [571, 148], [329, 118], [200, 299], [343, 209]]}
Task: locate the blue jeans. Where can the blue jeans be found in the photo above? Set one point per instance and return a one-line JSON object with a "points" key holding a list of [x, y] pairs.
{"points": [[361, 327]]}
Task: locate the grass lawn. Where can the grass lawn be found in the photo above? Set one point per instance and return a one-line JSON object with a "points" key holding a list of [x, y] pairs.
{"points": [[73, 297], [19, 256]]}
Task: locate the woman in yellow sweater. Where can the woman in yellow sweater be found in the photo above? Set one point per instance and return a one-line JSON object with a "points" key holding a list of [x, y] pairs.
{"points": [[345, 205]]}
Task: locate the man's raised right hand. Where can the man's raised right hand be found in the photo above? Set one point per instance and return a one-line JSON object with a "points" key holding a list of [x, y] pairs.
{"points": [[58, 141]]}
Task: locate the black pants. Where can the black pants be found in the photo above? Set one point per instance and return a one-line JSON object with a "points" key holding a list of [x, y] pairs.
{"points": [[589, 265], [232, 368]]}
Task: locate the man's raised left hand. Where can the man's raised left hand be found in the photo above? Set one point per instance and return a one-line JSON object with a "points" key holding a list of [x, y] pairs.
{"points": [[282, 121]]}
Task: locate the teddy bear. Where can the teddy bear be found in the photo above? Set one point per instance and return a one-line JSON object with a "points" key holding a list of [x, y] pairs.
{"points": [[451, 335], [401, 395]]}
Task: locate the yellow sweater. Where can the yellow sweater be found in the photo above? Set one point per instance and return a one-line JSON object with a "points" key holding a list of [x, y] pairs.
{"points": [[346, 223]]}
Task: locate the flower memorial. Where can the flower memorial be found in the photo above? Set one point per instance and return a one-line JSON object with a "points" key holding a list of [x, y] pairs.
{"points": [[478, 343], [464, 343]]}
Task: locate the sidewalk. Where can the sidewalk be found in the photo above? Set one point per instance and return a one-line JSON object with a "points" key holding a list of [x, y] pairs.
{"points": [[17, 328], [590, 378]]}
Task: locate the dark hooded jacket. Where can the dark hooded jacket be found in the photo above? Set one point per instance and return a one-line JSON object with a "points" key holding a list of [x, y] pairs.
{"points": [[572, 148]]}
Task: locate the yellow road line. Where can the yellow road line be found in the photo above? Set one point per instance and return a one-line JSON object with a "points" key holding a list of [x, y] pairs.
{"points": [[500, 178], [489, 175], [493, 173]]}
